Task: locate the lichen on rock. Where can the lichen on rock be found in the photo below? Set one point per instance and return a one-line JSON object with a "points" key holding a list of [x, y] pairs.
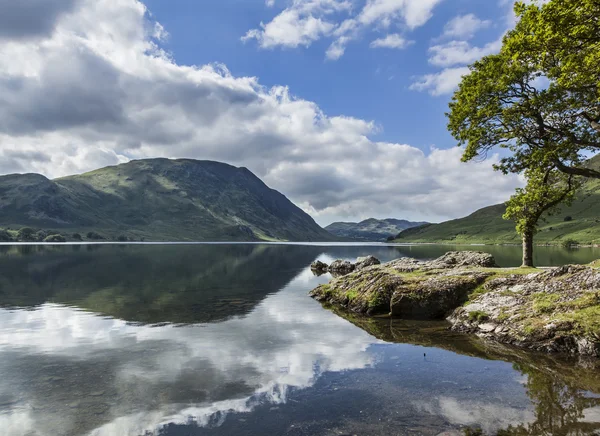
{"points": [[557, 310]]}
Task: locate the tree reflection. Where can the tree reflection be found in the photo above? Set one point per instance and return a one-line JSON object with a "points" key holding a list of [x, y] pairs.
{"points": [[560, 406]]}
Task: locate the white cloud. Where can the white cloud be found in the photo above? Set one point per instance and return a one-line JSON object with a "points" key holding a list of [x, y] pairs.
{"points": [[161, 383], [306, 21], [460, 53], [120, 96], [302, 23], [290, 29], [442, 83], [464, 26], [391, 41]]}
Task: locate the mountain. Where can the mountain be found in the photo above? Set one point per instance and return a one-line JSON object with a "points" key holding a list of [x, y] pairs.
{"points": [[580, 222], [371, 229], [156, 199]]}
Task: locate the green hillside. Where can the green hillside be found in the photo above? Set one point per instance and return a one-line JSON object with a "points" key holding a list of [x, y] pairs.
{"points": [[579, 222], [156, 199], [371, 229]]}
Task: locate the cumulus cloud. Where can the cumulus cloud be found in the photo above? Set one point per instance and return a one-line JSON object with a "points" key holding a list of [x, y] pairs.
{"points": [[25, 19], [99, 90], [442, 83], [306, 21], [460, 53], [302, 23], [464, 26], [391, 41], [454, 55]]}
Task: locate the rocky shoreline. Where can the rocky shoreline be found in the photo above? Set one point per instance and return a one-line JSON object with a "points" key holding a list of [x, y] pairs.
{"points": [[551, 310]]}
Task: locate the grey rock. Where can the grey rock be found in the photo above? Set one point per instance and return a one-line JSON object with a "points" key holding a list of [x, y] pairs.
{"points": [[365, 262]]}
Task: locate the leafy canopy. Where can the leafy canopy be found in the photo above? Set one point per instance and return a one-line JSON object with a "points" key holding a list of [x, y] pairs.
{"points": [[539, 97]]}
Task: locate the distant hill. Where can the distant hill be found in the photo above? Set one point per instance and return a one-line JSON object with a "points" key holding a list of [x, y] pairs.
{"points": [[371, 229], [579, 222], [156, 199]]}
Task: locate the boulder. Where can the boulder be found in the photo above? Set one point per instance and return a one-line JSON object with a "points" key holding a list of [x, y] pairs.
{"points": [[435, 297], [341, 267], [365, 262], [454, 259], [555, 310], [319, 267]]}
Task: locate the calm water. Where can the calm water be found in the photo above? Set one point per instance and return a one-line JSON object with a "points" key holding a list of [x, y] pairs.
{"points": [[223, 340]]}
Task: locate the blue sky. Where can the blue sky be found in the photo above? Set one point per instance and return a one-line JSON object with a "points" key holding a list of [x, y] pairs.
{"points": [[366, 83], [338, 104]]}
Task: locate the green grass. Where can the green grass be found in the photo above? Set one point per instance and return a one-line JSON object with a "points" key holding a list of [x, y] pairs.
{"points": [[478, 316], [486, 226]]}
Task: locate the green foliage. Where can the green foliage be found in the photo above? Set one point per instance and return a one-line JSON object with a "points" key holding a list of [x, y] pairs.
{"points": [[26, 234], [77, 237], [546, 189], [94, 236], [478, 316], [122, 238], [569, 243], [55, 238], [539, 96], [5, 236]]}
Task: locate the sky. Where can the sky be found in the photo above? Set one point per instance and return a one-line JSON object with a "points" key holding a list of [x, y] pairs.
{"points": [[338, 104]]}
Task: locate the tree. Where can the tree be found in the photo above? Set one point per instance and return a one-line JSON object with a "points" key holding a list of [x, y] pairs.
{"points": [[26, 234], [539, 97], [546, 190]]}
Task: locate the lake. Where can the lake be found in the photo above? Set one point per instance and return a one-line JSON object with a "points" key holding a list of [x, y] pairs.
{"points": [[222, 339]]}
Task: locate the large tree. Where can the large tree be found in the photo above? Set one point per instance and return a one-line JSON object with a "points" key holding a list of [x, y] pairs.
{"points": [[539, 97], [546, 190]]}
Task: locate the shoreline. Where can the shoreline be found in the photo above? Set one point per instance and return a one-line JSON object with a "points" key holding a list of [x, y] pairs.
{"points": [[553, 310]]}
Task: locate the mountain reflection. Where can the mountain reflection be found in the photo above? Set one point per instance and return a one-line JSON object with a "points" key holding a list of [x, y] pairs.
{"points": [[192, 340], [65, 371]]}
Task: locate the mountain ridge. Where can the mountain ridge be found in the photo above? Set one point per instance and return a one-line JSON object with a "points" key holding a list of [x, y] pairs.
{"points": [[157, 199], [371, 229]]}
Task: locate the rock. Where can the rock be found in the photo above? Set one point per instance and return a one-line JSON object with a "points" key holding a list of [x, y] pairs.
{"points": [[382, 289], [341, 267], [433, 298], [365, 262], [554, 310], [319, 267], [456, 259], [487, 328]]}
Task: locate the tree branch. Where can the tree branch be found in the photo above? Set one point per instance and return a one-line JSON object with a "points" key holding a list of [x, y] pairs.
{"points": [[573, 171]]}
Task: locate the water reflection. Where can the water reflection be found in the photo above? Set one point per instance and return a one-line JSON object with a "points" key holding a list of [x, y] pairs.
{"points": [[195, 340]]}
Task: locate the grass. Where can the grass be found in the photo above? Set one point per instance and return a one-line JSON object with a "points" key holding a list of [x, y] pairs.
{"points": [[478, 316], [486, 225]]}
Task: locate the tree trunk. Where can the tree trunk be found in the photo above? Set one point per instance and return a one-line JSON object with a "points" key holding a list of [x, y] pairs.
{"points": [[527, 250]]}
